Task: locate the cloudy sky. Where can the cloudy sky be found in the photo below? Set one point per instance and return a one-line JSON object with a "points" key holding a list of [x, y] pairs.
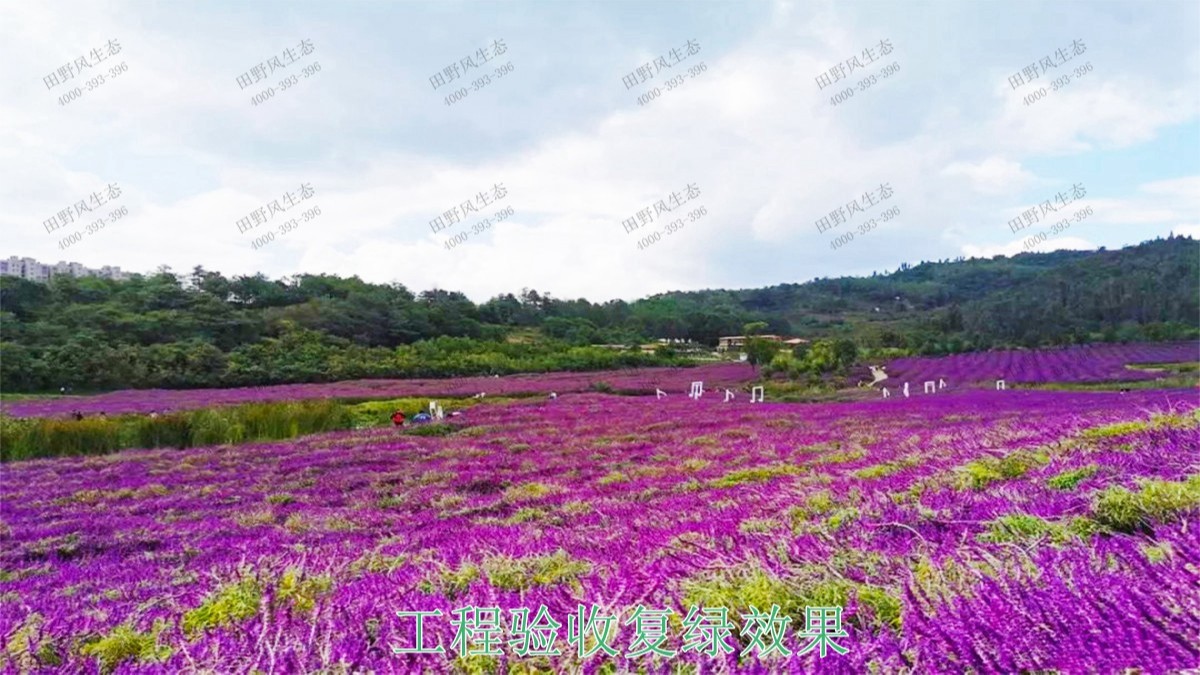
{"points": [[946, 137]]}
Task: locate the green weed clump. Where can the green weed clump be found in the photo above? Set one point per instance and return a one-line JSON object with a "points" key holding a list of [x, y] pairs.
{"points": [[877, 471], [1068, 480], [576, 508], [842, 517], [26, 652], [450, 582], [525, 515], [981, 473], [817, 503], [758, 525], [378, 563], [302, 592], [1110, 430], [518, 574], [231, 604], [842, 457], [613, 477], [526, 491], [1157, 500], [123, 644], [755, 475], [1020, 527], [741, 589], [755, 587], [1157, 553]]}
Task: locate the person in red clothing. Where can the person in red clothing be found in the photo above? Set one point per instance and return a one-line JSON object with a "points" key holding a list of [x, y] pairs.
{"points": [[398, 418]]}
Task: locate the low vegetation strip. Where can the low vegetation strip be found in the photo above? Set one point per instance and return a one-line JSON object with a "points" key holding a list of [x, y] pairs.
{"points": [[39, 437]]}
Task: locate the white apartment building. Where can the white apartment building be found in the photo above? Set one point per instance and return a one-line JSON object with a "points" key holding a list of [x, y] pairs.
{"points": [[32, 270]]}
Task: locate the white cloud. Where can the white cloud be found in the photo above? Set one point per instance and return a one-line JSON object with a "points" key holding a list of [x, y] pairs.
{"points": [[993, 175], [1190, 230]]}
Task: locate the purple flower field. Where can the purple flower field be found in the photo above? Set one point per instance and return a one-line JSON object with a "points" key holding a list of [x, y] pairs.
{"points": [[145, 400], [979, 531], [1083, 363]]}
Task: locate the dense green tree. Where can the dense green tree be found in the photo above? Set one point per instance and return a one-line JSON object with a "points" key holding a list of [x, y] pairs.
{"points": [[760, 351]]}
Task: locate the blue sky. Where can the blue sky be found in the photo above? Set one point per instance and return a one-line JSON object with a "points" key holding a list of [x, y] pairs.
{"points": [[561, 132]]}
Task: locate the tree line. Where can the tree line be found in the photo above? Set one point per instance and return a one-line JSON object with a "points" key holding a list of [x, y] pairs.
{"points": [[205, 329]]}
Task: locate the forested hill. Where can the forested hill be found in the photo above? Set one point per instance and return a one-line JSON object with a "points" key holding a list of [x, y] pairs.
{"points": [[1150, 291], [204, 329]]}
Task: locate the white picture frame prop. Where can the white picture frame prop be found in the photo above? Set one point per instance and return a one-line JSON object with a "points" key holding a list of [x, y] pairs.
{"points": [[728, 396], [697, 390], [930, 387], [1001, 385], [756, 395], [886, 393], [905, 390]]}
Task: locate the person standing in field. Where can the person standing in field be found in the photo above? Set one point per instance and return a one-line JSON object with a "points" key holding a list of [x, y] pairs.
{"points": [[398, 418]]}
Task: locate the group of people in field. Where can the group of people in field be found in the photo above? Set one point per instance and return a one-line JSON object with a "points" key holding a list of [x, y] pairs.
{"points": [[399, 420], [420, 418]]}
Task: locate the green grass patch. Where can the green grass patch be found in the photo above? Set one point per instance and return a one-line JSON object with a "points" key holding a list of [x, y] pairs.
{"points": [[527, 491], [525, 515], [230, 604], [519, 574], [26, 651], [740, 589], [842, 457], [1023, 527], [1070, 479], [124, 644], [981, 473], [378, 563], [817, 503], [301, 592], [613, 477], [755, 475], [450, 582], [1111, 430], [881, 470], [1156, 500], [841, 518], [758, 525]]}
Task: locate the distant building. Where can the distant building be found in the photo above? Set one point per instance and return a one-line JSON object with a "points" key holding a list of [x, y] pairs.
{"points": [[680, 345], [32, 270], [738, 342]]}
